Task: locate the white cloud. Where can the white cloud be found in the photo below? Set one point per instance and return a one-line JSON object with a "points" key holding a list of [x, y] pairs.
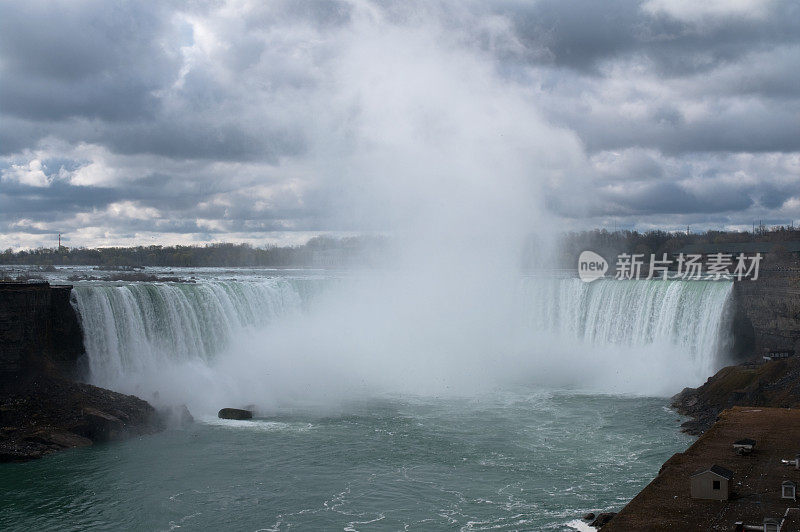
{"points": [[30, 173], [705, 10]]}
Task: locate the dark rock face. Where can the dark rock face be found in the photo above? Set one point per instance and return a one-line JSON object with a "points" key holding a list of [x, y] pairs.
{"points": [[39, 331], [42, 410], [234, 413], [589, 516], [602, 519], [767, 313]]}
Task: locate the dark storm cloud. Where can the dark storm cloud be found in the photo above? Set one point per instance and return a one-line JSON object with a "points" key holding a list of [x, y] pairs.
{"points": [[53, 202], [750, 126], [671, 198], [185, 108], [582, 34], [85, 58]]}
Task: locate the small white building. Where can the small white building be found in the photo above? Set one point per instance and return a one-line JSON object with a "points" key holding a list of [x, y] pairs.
{"points": [[711, 483], [789, 490]]}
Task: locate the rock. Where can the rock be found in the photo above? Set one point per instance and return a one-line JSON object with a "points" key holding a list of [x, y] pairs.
{"points": [[602, 519], [184, 416], [772, 384], [176, 416], [99, 425], [235, 413], [42, 415], [60, 438], [39, 331], [589, 516]]}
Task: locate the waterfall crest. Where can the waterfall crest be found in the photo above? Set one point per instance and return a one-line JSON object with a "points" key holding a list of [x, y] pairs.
{"points": [[269, 339], [686, 315], [136, 328]]}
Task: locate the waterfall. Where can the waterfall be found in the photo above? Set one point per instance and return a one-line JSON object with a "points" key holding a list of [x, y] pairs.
{"points": [[241, 340], [136, 328], [687, 316]]}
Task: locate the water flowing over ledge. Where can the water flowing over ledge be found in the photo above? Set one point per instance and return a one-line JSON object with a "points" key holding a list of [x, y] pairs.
{"points": [[640, 332], [690, 316], [137, 327]]}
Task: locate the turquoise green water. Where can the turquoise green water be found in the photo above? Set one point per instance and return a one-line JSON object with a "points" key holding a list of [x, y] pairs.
{"points": [[522, 460]]}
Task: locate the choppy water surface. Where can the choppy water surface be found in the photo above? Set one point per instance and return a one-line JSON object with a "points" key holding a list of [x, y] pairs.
{"points": [[386, 402], [505, 461]]}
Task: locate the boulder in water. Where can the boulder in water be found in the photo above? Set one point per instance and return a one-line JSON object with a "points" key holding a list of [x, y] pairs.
{"points": [[234, 413], [589, 516]]}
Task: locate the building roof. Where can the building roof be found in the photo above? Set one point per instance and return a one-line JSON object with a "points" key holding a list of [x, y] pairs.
{"points": [[717, 470], [745, 441]]}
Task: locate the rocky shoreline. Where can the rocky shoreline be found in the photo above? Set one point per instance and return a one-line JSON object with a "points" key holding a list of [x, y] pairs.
{"points": [[753, 393], [41, 415]]}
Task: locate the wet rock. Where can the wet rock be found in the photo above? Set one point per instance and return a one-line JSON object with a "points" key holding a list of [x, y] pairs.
{"points": [[184, 416], [235, 413], [176, 416], [589, 516], [602, 519], [99, 425], [58, 437], [42, 415]]}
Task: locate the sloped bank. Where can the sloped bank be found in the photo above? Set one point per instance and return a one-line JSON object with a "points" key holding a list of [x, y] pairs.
{"points": [[770, 384], [43, 408]]}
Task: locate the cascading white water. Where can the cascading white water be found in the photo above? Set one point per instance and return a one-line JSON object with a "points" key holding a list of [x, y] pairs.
{"points": [[688, 316], [216, 342], [134, 329]]}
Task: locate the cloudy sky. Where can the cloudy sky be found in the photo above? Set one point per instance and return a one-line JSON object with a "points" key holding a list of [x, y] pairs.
{"points": [[267, 122]]}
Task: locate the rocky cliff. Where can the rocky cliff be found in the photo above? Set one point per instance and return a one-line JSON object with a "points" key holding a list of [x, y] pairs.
{"points": [[39, 331], [767, 313], [42, 407]]}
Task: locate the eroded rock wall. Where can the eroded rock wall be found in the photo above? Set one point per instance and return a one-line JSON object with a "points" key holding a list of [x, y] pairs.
{"points": [[768, 312], [39, 331]]}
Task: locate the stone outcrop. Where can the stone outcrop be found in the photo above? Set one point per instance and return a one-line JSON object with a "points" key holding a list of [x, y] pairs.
{"points": [[603, 519], [42, 408], [40, 415], [234, 413], [769, 384]]}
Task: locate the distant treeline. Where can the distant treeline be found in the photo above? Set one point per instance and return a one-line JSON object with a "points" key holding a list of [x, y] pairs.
{"points": [[317, 252], [611, 244], [327, 252]]}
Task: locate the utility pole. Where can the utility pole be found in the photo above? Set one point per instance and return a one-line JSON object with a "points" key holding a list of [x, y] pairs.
{"points": [[687, 230], [59, 241]]}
